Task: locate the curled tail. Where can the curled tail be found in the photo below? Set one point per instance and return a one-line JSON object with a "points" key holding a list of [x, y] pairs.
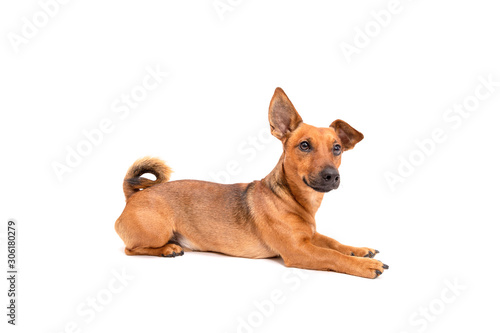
{"points": [[133, 181]]}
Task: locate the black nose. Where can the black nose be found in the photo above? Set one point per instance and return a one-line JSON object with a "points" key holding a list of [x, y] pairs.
{"points": [[330, 176]]}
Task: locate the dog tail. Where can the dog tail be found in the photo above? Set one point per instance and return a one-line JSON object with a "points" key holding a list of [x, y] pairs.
{"points": [[133, 181]]}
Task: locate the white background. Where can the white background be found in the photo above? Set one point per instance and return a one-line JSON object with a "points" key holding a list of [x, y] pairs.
{"points": [[438, 227]]}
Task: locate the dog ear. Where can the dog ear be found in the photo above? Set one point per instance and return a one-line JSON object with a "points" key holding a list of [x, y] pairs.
{"points": [[283, 117], [348, 135]]}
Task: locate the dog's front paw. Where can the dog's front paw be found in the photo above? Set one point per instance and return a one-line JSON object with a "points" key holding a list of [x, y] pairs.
{"points": [[369, 268], [361, 252]]}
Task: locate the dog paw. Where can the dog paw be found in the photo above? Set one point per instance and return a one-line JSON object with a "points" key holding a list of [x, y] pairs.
{"points": [[362, 252], [369, 268], [171, 251], [173, 254]]}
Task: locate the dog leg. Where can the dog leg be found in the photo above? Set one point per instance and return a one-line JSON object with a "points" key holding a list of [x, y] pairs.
{"points": [[146, 232], [168, 250], [330, 243], [306, 255]]}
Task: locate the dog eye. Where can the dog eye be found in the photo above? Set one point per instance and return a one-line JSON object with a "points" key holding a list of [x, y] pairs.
{"points": [[304, 146], [337, 149]]}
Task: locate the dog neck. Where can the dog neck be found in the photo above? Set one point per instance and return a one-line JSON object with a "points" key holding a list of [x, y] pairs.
{"points": [[287, 188]]}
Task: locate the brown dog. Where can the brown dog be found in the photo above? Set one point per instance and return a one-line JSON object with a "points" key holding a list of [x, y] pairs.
{"points": [[267, 218]]}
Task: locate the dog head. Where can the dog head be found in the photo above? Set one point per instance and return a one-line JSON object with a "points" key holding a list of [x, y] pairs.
{"points": [[312, 155]]}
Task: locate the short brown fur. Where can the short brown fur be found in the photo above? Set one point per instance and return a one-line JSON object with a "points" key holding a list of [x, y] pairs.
{"points": [[267, 218]]}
